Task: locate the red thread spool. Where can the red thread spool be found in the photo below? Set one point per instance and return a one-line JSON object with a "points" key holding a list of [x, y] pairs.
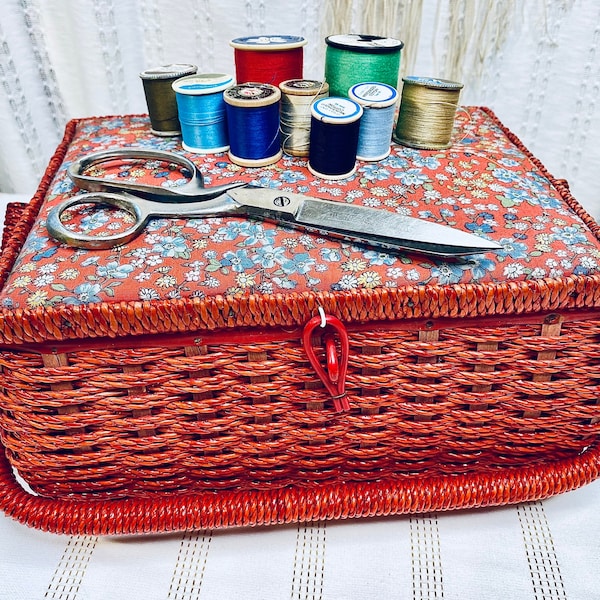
{"points": [[268, 59]]}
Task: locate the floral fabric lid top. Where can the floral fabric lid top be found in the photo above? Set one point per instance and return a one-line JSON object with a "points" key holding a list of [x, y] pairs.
{"points": [[485, 183]]}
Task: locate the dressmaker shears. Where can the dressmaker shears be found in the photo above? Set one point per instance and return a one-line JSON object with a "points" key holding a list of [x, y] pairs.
{"points": [[358, 224]]}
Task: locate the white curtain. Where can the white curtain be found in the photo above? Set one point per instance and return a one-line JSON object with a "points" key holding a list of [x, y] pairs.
{"points": [[536, 63]]}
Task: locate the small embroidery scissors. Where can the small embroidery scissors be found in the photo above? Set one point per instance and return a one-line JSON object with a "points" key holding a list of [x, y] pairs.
{"points": [[357, 224]]}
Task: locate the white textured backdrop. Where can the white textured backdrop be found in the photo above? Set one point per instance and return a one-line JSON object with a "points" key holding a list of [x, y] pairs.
{"points": [[535, 62]]}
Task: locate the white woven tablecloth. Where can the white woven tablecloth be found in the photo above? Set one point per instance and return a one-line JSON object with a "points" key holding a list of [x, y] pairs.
{"points": [[537, 551]]}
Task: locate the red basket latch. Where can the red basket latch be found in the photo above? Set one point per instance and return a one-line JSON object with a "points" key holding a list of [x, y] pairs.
{"points": [[330, 361]]}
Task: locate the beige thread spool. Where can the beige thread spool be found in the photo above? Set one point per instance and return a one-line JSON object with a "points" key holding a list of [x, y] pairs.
{"points": [[427, 111], [297, 95]]}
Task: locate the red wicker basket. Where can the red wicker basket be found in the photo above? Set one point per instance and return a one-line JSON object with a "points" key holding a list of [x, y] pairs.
{"points": [[165, 385]]}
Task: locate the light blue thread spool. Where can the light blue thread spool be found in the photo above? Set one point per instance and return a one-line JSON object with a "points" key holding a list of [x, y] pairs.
{"points": [[253, 124], [378, 101], [202, 113]]}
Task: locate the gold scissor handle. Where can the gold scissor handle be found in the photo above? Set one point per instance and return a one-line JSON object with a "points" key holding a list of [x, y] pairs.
{"points": [[134, 206]]}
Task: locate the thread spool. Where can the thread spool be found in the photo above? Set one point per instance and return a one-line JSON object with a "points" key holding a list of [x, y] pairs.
{"points": [[335, 123], [268, 59], [253, 124], [160, 97], [378, 101], [202, 111], [297, 95], [427, 110], [354, 58]]}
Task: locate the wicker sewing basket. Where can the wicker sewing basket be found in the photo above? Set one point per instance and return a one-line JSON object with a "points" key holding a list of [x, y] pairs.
{"points": [[128, 414]]}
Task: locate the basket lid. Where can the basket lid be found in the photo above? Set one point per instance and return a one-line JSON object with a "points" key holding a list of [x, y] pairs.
{"points": [[198, 274]]}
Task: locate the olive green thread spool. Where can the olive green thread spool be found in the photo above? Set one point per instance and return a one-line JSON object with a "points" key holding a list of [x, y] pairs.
{"points": [[427, 110], [354, 58], [161, 99]]}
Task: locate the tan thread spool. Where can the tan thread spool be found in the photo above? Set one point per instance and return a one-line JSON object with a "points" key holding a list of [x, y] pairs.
{"points": [[297, 96], [427, 111]]}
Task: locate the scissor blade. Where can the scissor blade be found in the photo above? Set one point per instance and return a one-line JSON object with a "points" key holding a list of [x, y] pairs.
{"points": [[375, 227]]}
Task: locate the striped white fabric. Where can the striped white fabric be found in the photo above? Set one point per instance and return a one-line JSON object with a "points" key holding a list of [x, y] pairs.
{"points": [[540, 551]]}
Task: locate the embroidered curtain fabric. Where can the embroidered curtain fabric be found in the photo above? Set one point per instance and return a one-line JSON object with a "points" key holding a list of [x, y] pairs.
{"points": [[534, 63]]}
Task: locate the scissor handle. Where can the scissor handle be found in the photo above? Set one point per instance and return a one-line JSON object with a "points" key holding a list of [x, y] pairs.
{"points": [[194, 187], [130, 204]]}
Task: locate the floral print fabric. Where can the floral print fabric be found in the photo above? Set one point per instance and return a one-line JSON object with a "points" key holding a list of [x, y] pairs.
{"points": [[483, 184]]}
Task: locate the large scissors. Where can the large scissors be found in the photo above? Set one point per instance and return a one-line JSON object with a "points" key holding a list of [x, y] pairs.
{"points": [[360, 224]]}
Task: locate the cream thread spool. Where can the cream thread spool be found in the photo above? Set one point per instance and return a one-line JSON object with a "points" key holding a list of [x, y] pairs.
{"points": [[297, 96], [427, 111]]}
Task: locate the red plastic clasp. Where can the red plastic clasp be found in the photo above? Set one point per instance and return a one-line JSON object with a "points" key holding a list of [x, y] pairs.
{"points": [[337, 348]]}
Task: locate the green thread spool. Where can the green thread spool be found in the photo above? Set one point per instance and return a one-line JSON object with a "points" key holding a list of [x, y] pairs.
{"points": [[354, 58], [427, 111]]}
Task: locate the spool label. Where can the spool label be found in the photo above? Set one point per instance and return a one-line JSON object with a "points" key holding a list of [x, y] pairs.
{"points": [[336, 109], [433, 82], [374, 93], [364, 43], [250, 92], [203, 84], [262, 42], [168, 71]]}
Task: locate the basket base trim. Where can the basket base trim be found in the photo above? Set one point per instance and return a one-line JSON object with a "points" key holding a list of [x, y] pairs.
{"points": [[340, 501]]}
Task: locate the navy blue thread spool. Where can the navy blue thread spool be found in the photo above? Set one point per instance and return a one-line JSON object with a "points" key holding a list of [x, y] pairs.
{"points": [[160, 97], [378, 101], [253, 124], [202, 111], [335, 124]]}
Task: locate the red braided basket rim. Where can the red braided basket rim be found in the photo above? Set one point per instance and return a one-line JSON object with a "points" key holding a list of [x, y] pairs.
{"points": [[252, 508]]}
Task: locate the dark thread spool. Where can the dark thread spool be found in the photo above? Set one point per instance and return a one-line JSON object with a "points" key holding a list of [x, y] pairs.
{"points": [[160, 97], [335, 124]]}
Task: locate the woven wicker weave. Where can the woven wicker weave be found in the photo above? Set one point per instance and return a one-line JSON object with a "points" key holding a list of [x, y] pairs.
{"points": [[170, 415]]}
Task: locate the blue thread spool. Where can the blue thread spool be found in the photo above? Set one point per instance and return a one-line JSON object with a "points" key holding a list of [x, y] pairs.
{"points": [[253, 124], [353, 58], [202, 111], [335, 124], [378, 101]]}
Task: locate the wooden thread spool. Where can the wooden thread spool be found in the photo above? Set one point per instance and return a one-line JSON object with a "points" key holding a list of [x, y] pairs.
{"points": [[253, 124], [297, 96]]}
